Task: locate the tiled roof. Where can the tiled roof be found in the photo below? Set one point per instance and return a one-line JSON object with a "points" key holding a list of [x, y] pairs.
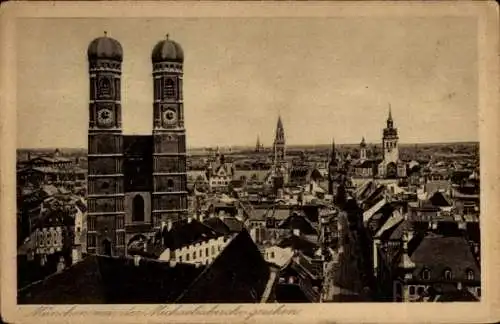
{"points": [[185, 233], [438, 253]]}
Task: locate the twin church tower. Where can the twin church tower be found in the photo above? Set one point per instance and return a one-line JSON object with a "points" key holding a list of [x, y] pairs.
{"points": [[135, 182]]}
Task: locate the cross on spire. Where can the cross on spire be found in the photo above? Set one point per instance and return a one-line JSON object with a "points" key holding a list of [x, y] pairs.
{"points": [[105, 34], [167, 36]]}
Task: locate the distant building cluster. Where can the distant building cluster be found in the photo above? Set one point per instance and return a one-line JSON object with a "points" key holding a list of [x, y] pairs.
{"points": [[148, 223]]}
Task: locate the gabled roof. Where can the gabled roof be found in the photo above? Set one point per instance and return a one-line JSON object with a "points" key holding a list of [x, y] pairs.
{"points": [[224, 226], [186, 232], [438, 253], [231, 277], [295, 221], [298, 243]]}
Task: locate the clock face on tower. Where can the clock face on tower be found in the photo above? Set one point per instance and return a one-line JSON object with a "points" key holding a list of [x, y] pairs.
{"points": [[169, 117], [105, 117]]}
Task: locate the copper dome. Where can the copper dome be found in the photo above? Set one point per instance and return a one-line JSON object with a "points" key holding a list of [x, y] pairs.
{"points": [[105, 48], [167, 51]]}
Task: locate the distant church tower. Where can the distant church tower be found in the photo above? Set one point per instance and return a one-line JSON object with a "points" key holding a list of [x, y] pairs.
{"points": [[391, 166], [169, 135], [279, 144], [362, 150], [258, 145], [390, 141], [105, 219], [333, 168]]}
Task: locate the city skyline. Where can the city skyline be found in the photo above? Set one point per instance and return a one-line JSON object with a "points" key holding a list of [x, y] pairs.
{"points": [[344, 88]]}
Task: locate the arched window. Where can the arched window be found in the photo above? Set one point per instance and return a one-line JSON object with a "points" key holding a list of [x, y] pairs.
{"points": [[169, 89], [470, 274], [426, 274], [170, 185], [106, 247], [104, 87], [138, 209], [447, 274]]}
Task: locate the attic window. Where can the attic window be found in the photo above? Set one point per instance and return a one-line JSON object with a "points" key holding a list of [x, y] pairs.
{"points": [[447, 274], [426, 274]]}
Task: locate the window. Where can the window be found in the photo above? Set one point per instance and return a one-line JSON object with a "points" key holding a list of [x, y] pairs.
{"points": [[180, 258], [106, 247], [426, 274], [187, 257], [91, 223], [478, 290], [412, 290], [91, 241], [213, 250], [169, 90], [119, 222], [170, 185], [104, 87], [420, 291], [470, 274], [138, 209], [272, 255], [447, 274], [206, 252], [120, 238], [194, 255]]}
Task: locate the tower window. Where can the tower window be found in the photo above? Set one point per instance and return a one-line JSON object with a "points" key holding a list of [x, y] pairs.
{"points": [[447, 274], [170, 185], [138, 209], [169, 89], [104, 87]]}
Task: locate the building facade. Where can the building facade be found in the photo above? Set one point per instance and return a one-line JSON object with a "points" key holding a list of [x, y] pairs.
{"points": [[134, 182]]}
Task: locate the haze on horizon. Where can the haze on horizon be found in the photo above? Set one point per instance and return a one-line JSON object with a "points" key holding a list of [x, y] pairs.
{"points": [[331, 77]]}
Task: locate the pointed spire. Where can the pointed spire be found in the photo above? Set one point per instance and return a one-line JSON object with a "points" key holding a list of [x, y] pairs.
{"points": [[333, 152], [390, 113]]}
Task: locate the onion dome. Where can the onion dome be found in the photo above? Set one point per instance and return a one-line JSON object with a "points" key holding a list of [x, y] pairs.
{"points": [[363, 142], [167, 51], [105, 48]]}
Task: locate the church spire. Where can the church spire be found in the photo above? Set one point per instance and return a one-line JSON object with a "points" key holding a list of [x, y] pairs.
{"points": [[280, 132], [257, 146], [333, 153], [390, 122], [279, 143]]}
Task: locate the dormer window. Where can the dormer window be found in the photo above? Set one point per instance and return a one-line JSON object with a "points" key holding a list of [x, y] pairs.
{"points": [[470, 274], [447, 274], [426, 274]]}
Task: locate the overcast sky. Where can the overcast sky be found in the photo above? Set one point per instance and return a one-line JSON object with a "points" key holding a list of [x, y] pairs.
{"points": [[327, 78]]}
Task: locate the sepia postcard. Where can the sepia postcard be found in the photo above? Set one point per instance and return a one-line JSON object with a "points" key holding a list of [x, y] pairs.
{"points": [[248, 162]]}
